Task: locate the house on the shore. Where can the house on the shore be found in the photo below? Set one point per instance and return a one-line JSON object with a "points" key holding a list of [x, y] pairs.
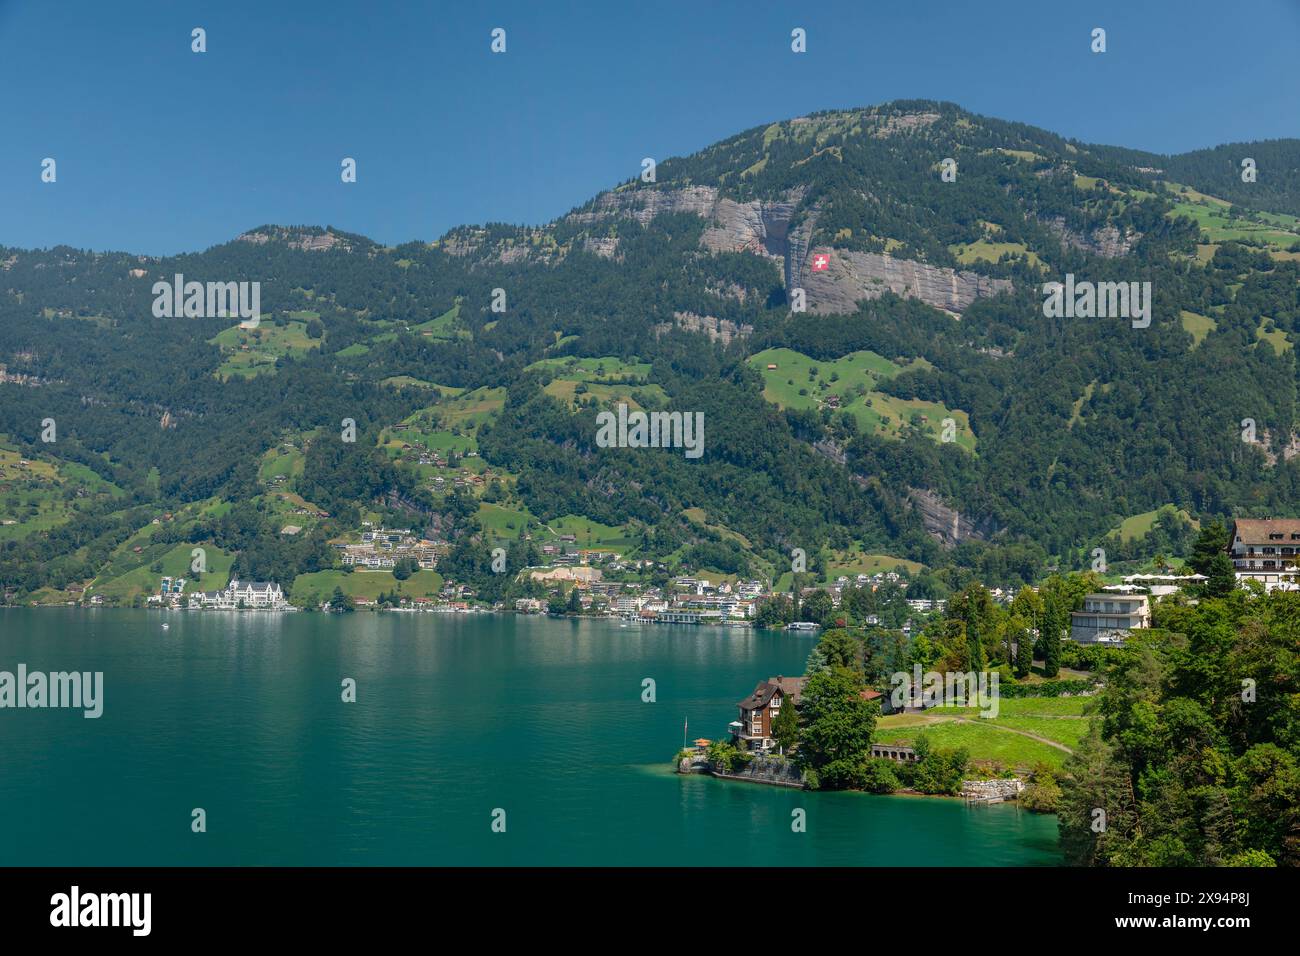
{"points": [[758, 712]]}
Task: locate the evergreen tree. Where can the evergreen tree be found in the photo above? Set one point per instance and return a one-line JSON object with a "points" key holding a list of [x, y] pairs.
{"points": [[341, 602], [1213, 540], [785, 729], [1223, 579], [1024, 641], [1049, 639]]}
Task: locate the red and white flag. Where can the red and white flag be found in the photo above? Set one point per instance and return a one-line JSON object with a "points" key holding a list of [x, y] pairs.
{"points": [[821, 262]]}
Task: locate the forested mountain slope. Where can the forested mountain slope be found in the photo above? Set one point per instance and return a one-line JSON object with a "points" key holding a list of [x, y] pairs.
{"points": [[920, 406]]}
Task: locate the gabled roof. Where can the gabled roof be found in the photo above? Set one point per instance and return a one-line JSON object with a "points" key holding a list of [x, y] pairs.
{"points": [[791, 687], [1257, 530]]}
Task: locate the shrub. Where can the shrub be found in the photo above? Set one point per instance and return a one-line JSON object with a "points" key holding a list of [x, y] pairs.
{"points": [[879, 776]]}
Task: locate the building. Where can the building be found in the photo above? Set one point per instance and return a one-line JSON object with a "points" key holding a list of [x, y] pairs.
{"points": [[1266, 550], [1108, 616], [1265, 544], [758, 712], [248, 594]]}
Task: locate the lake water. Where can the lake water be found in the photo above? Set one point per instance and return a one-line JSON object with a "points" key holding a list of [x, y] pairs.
{"points": [[457, 716]]}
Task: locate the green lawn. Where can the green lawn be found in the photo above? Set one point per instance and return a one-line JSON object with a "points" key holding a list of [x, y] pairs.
{"points": [[591, 534], [985, 250], [1136, 526], [608, 369], [1274, 337], [981, 738], [310, 590], [502, 522], [281, 460], [40, 494], [443, 327]]}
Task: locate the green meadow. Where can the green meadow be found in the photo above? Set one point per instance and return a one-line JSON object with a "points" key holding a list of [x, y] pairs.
{"points": [[798, 381]]}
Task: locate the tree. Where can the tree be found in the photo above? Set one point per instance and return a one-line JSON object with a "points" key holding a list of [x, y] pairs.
{"points": [[818, 607], [785, 729], [1212, 540], [1096, 814], [835, 740], [1024, 643], [1223, 579], [841, 649], [341, 602], [1049, 636]]}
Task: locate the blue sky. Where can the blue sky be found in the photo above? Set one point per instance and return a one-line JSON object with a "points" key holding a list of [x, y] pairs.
{"points": [[161, 150]]}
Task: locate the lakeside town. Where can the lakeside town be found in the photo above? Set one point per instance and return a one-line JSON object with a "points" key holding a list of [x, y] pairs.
{"points": [[600, 582]]}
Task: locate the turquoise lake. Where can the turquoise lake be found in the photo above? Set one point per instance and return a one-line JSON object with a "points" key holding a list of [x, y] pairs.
{"points": [[456, 716]]}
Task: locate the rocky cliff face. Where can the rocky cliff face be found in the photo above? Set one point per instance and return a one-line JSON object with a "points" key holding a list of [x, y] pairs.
{"points": [[947, 525], [644, 204], [1107, 241], [720, 330], [852, 276], [758, 227], [765, 229]]}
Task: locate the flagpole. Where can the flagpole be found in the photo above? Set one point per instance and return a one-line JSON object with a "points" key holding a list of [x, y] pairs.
{"points": [[686, 723]]}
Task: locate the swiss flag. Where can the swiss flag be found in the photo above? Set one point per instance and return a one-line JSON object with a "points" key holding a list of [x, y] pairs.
{"points": [[821, 262]]}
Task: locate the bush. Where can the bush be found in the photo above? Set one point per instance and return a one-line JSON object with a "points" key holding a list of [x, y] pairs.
{"points": [[1043, 793], [726, 758], [879, 776], [938, 771]]}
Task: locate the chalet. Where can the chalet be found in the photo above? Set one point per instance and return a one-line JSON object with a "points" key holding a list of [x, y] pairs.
{"points": [[758, 712]]}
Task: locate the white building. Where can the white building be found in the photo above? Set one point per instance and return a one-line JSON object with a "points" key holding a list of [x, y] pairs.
{"points": [[1107, 617], [248, 594]]}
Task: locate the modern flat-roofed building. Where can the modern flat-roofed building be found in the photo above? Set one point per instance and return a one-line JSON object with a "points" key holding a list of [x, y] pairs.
{"points": [[1108, 616]]}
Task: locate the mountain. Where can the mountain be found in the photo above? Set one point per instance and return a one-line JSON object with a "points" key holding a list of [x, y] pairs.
{"points": [[919, 410]]}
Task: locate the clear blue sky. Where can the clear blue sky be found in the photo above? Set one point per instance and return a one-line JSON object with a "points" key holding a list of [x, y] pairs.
{"points": [[161, 150]]}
